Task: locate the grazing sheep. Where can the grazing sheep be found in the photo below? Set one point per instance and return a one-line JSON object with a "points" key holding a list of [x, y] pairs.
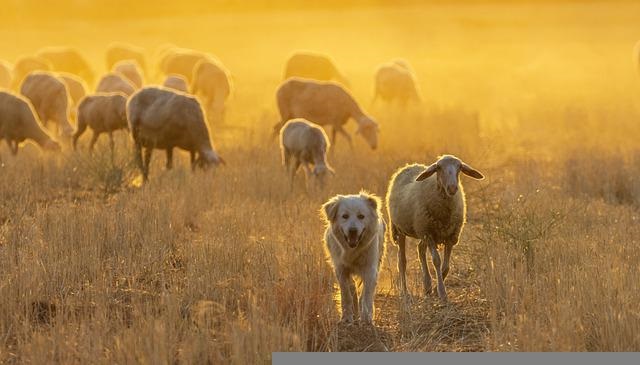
{"points": [[211, 85], [113, 82], [395, 81], [77, 89], [164, 119], [104, 113], [176, 82], [182, 62], [312, 65], [117, 52], [5, 75], [324, 103], [68, 59], [304, 143], [354, 240], [50, 99], [428, 203], [18, 122], [26, 65], [131, 71]]}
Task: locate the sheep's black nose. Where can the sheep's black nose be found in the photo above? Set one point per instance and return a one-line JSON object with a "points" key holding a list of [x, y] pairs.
{"points": [[452, 190]]}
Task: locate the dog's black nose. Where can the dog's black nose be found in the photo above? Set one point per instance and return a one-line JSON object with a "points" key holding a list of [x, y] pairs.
{"points": [[353, 232]]}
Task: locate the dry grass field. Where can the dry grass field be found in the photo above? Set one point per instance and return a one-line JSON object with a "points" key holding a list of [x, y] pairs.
{"points": [[226, 265]]}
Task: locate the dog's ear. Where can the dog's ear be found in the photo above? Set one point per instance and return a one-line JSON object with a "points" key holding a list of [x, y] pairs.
{"points": [[330, 209], [373, 201]]}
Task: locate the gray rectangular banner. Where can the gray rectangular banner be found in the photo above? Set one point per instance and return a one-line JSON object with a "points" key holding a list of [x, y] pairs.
{"points": [[440, 358]]}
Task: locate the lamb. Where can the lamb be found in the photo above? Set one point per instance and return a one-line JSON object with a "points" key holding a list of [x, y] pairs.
{"points": [[5, 75], [77, 89], [68, 59], [395, 81], [49, 98], [311, 65], [131, 71], [104, 113], [430, 208], [304, 143], [164, 119], [117, 52], [26, 65], [113, 82], [176, 82], [324, 103], [210, 83], [18, 122]]}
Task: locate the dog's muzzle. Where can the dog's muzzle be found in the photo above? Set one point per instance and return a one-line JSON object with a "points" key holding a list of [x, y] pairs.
{"points": [[353, 237]]}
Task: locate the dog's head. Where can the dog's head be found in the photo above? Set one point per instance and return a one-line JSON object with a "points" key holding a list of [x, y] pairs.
{"points": [[352, 218]]}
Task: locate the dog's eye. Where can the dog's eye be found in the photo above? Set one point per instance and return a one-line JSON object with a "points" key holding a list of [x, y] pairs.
{"points": [[345, 216], [361, 216]]}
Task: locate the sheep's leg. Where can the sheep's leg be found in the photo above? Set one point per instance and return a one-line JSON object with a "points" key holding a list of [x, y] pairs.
{"points": [[347, 136], [13, 146], [294, 170], [346, 294], [192, 154], [402, 259], [169, 158], [146, 162], [138, 156], [94, 139], [112, 146], [445, 262], [426, 276], [435, 257]]}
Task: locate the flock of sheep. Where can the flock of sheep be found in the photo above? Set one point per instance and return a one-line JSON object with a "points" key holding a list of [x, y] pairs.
{"points": [[49, 92]]}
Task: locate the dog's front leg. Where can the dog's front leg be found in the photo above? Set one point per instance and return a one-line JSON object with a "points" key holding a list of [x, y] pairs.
{"points": [[370, 280], [346, 299]]}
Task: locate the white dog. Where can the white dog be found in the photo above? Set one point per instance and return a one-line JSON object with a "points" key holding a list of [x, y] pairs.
{"points": [[355, 242]]}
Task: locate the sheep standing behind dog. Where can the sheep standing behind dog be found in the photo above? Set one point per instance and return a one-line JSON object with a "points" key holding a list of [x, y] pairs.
{"points": [[131, 70], [324, 103], [18, 122], [5, 75], [104, 113], [428, 203], [77, 89], [68, 59], [304, 143], [311, 65], [26, 65], [395, 81], [210, 83], [354, 240], [117, 52], [182, 61], [176, 82], [164, 119], [114, 82], [50, 99]]}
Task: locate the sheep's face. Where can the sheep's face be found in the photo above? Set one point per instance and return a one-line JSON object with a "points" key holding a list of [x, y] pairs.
{"points": [[321, 172], [352, 218], [209, 158], [368, 129], [447, 170]]}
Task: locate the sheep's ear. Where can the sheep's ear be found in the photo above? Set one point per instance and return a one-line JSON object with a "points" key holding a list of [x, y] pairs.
{"points": [[330, 209], [428, 172], [470, 171]]}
